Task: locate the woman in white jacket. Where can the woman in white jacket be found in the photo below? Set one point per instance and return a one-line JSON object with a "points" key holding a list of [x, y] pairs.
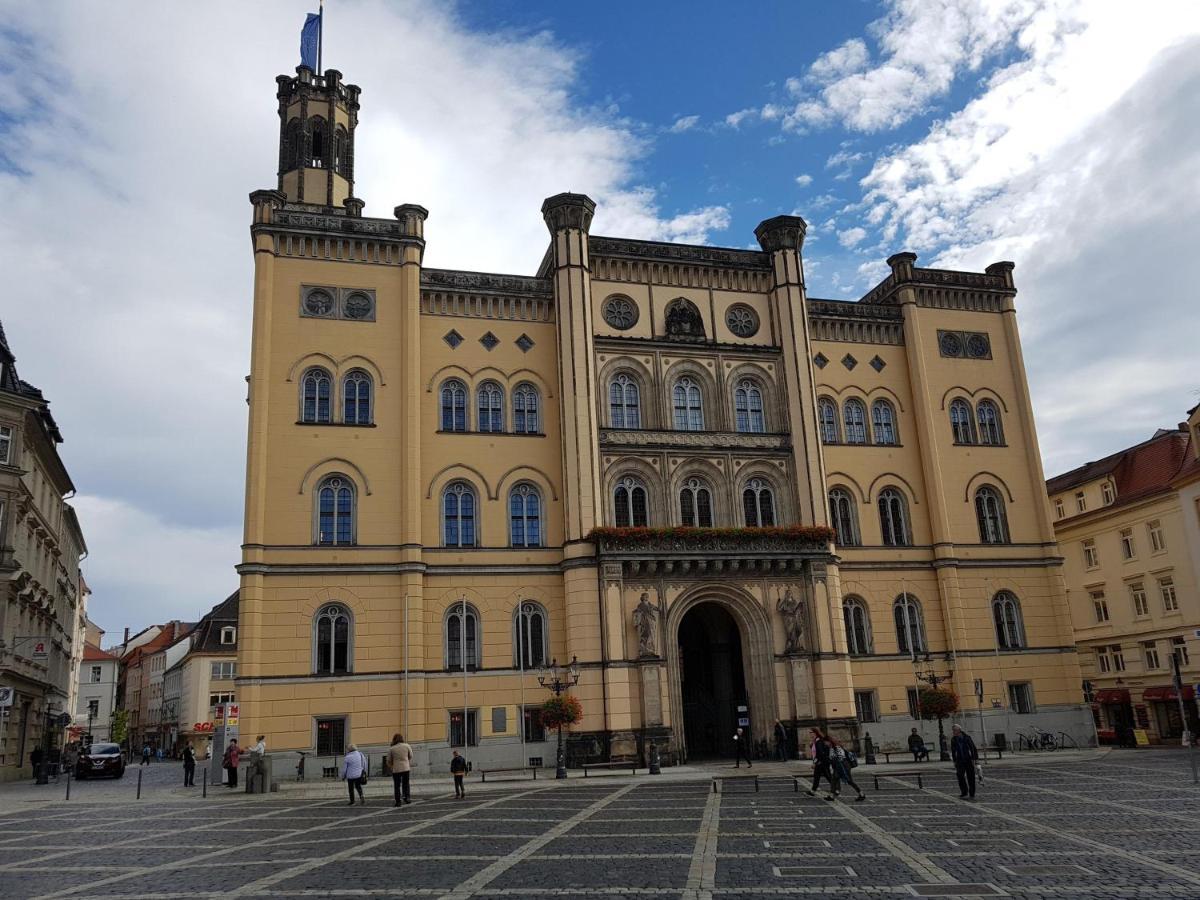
{"points": [[354, 771]]}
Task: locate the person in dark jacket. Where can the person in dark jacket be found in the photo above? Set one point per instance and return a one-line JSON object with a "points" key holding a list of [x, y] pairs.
{"points": [[821, 754], [839, 762], [916, 746], [189, 766], [964, 754], [781, 740], [458, 768], [741, 749]]}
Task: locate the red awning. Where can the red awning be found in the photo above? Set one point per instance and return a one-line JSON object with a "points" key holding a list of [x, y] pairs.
{"points": [[1112, 695], [1168, 693]]}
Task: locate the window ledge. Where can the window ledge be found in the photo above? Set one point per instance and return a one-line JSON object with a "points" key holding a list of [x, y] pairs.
{"points": [[336, 424], [538, 434]]}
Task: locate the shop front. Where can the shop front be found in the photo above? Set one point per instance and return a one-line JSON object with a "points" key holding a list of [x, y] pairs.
{"points": [[1113, 708], [1165, 716]]}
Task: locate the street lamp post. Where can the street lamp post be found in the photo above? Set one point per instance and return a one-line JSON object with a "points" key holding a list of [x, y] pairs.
{"points": [[559, 680], [933, 679]]}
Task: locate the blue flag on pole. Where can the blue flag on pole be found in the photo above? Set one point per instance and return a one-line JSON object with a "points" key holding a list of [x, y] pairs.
{"points": [[309, 36]]}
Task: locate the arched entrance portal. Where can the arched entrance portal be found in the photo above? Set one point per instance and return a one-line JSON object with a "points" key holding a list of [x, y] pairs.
{"points": [[712, 679]]}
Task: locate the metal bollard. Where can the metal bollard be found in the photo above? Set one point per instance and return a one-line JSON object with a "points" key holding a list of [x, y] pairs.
{"points": [[204, 787], [139, 793], [68, 797]]}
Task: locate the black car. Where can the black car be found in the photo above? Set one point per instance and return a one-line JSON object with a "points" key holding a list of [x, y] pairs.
{"points": [[100, 759]]}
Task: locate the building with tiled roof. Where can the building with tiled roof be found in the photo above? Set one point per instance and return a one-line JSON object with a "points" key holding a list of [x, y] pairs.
{"points": [[96, 693], [1128, 526], [202, 678]]}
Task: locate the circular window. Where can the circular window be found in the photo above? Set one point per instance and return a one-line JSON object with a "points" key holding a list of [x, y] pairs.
{"points": [[977, 346], [951, 344], [742, 320], [318, 303], [620, 312], [358, 306]]}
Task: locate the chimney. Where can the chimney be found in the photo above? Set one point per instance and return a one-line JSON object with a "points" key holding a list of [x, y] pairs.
{"points": [[125, 640]]}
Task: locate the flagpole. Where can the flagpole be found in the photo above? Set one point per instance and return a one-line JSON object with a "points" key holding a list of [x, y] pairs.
{"points": [[320, 34]]}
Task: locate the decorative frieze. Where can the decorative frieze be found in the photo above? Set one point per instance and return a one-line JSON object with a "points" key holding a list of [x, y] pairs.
{"points": [[676, 265], [613, 438]]}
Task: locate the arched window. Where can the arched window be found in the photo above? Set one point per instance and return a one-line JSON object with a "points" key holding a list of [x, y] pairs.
{"points": [[629, 503], [858, 626], [695, 504], [1006, 613], [526, 415], [893, 518], [828, 418], [854, 416], [990, 430], [843, 518], [458, 634], [758, 504], [356, 393], [335, 511], [292, 154], [341, 152], [314, 400], [624, 406], [883, 420], [689, 411], [454, 406], [530, 636], [989, 510], [490, 402], [320, 143], [748, 407], [910, 625], [458, 515], [333, 640], [525, 516], [962, 422]]}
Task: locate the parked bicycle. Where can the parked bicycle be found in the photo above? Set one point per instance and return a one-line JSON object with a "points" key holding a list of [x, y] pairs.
{"points": [[1036, 739]]}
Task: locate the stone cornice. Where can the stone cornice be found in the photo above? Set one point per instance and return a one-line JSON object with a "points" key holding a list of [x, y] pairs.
{"points": [[305, 219], [612, 438], [684, 253], [485, 283]]}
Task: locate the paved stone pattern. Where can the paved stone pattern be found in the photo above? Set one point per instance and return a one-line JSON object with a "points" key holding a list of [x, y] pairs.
{"points": [[1122, 826]]}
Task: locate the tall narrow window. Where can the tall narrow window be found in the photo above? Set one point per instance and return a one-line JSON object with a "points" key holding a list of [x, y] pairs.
{"points": [[458, 515], [689, 411], [335, 511], [828, 417], [315, 388], [893, 518], [989, 511], [530, 636], [293, 148], [962, 422], [748, 407], [341, 152], [990, 430], [858, 626], [525, 516], [526, 417], [854, 419], [356, 395], [910, 625], [1006, 614], [695, 504], [843, 518], [758, 504], [1166, 587], [320, 142], [629, 503], [491, 406], [624, 406], [883, 421], [1158, 540], [331, 640], [6, 437], [458, 635], [454, 406]]}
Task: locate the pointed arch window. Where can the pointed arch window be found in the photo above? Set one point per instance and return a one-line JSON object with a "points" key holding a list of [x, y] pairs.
{"points": [[827, 415], [292, 155], [356, 396], [458, 515], [858, 626], [454, 406], [530, 636], [695, 504], [320, 143], [689, 409], [843, 518], [883, 422], [335, 511], [526, 410], [758, 503], [854, 416], [748, 407], [462, 637], [990, 430], [333, 634], [525, 516], [962, 422], [893, 518], [1006, 614], [341, 152], [490, 397], [624, 403], [314, 397], [989, 510], [629, 503], [910, 624]]}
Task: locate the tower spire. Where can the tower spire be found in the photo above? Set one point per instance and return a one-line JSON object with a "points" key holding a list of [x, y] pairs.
{"points": [[318, 114]]}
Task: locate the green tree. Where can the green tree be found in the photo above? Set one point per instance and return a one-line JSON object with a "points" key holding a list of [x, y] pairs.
{"points": [[119, 729]]}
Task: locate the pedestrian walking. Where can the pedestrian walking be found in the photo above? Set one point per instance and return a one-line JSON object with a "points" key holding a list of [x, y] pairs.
{"points": [[458, 768], [781, 753], [841, 761], [822, 768], [189, 766], [741, 749], [964, 754], [354, 771], [145, 754], [399, 759], [35, 760], [916, 746], [233, 755]]}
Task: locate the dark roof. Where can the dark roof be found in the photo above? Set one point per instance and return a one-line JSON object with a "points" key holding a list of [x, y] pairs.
{"points": [[207, 636], [1138, 471], [14, 384]]}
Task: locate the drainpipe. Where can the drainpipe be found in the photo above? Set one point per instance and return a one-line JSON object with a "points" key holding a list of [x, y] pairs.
{"points": [[604, 657]]}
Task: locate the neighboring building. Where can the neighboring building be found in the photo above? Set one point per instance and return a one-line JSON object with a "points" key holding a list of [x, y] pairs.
{"points": [[165, 696], [431, 451], [96, 693], [142, 669], [1128, 528], [206, 675], [41, 590]]}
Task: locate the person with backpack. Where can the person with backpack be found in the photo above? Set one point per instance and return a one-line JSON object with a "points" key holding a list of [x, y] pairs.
{"points": [[965, 756], [354, 771], [229, 762], [821, 753], [458, 768], [842, 761]]}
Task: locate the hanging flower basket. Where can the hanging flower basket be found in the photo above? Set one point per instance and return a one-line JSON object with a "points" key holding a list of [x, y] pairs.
{"points": [[937, 703], [561, 711]]}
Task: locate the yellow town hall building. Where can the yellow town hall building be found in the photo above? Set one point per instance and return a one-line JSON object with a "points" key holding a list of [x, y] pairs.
{"points": [[454, 478]]}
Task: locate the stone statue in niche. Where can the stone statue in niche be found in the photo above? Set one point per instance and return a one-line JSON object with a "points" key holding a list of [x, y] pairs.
{"points": [[683, 320], [645, 620], [791, 611]]}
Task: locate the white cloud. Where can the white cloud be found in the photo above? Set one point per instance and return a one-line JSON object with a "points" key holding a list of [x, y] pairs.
{"points": [[735, 119], [847, 59], [684, 123], [851, 237], [804, 180]]}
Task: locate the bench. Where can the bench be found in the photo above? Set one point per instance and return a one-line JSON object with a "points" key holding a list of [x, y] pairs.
{"points": [[484, 773], [720, 779], [887, 755], [914, 774], [631, 765]]}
